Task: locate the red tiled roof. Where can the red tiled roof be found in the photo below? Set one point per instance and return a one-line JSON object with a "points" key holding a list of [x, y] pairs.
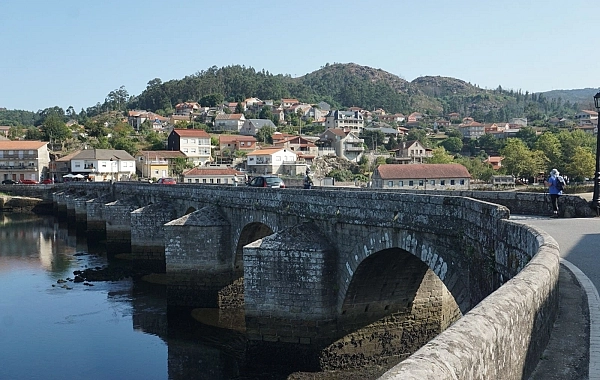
{"points": [[422, 171], [191, 132], [212, 172], [161, 153], [21, 145]]}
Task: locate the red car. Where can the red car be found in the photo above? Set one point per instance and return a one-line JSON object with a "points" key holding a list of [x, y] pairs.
{"points": [[167, 181], [28, 182], [48, 181]]}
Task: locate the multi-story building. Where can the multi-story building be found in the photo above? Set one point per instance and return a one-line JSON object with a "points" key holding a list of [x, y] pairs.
{"points": [[157, 163], [99, 165], [274, 161], [345, 144], [193, 143], [350, 120], [229, 122], [24, 160]]}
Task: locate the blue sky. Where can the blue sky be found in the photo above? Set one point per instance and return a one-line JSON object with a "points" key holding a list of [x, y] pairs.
{"points": [[73, 53]]}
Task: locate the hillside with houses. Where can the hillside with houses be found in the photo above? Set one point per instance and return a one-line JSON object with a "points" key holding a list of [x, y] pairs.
{"points": [[343, 113]]}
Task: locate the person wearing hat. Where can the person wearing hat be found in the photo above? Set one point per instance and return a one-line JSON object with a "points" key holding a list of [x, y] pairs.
{"points": [[554, 189]]}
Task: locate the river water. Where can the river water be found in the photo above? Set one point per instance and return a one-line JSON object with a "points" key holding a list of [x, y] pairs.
{"points": [[54, 328]]}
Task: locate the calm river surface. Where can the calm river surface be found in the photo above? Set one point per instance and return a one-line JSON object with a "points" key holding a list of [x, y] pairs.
{"points": [[50, 329]]}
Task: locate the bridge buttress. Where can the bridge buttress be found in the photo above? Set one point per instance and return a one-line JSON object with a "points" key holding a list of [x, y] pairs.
{"points": [[118, 224], [198, 258]]}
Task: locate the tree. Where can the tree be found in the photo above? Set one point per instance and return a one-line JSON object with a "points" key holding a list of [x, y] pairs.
{"points": [[211, 100], [582, 164], [477, 168], [452, 144], [55, 129], [265, 134], [418, 134], [439, 156], [528, 135], [239, 108], [551, 146], [180, 164], [520, 161], [265, 113]]}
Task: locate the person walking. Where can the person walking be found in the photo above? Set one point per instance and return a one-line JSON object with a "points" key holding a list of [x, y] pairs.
{"points": [[235, 180], [554, 183]]}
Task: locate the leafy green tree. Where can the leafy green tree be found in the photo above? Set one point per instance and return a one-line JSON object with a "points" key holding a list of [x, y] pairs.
{"points": [[265, 134], [582, 165], [265, 113], [238, 108], [211, 100], [180, 164], [528, 135], [452, 144], [439, 156], [418, 134], [550, 144], [477, 168], [520, 161], [34, 134], [489, 143], [124, 143], [55, 129], [16, 132]]}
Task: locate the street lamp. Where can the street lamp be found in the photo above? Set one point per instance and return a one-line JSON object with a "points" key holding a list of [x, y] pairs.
{"points": [[596, 197]]}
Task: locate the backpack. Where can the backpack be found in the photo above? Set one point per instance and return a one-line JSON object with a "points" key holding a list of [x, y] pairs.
{"points": [[560, 183]]}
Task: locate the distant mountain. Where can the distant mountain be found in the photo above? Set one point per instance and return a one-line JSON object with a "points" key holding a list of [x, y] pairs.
{"points": [[350, 84], [584, 96]]}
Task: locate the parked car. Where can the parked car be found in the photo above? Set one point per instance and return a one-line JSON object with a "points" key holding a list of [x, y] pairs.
{"points": [[48, 181], [28, 182], [267, 181], [8, 182], [167, 181]]}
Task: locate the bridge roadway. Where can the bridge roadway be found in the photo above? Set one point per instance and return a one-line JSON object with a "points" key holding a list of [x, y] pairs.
{"points": [[573, 351]]}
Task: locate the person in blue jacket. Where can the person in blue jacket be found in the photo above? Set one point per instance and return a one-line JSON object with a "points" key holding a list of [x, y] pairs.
{"points": [[554, 190]]}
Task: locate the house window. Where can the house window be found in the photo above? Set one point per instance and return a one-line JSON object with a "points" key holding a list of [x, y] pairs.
{"points": [[442, 182], [400, 183], [155, 172], [452, 182], [218, 180], [390, 183], [432, 182], [462, 181], [411, 183], [421, 182], [212, 180], [203, 180], [241, 143], [197, 180]]}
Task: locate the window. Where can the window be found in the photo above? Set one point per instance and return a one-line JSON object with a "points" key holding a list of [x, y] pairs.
{"points": [[390, 183], [442, 182], [421, 182], [400, 183], [218, 180], [462, 181], [452, 182], [432, 182], [411, 183], [197, 180], [212, 180], [203, 180]]}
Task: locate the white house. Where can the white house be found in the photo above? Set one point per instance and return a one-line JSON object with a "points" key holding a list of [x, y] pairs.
{"points": [[194, 143], [270, 160], [229, 122], [421, 177], [103, 165], [214, 176], [351, 120]]}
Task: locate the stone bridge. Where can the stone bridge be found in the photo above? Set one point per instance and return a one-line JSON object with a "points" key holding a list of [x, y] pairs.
{"points": [[382, 270]]}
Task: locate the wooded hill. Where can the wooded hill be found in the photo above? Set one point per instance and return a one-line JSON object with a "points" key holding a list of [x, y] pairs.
{"points": [[342, 86]]}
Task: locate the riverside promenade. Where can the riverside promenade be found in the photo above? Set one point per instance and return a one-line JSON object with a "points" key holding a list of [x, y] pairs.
{"points": [[574, 348]]}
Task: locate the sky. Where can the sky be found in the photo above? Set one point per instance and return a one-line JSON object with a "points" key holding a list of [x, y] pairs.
{"points": [[74, 53]]}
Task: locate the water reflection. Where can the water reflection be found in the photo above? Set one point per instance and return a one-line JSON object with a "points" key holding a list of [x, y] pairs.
{"points": [[52, 327]]}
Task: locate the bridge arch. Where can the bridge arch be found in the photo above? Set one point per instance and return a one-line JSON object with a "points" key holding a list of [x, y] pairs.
{"points": [[441, 254], [250, 232]]}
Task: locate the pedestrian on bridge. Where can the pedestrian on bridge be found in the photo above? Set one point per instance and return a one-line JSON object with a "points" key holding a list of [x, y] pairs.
{"points": [[553, 183]]}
